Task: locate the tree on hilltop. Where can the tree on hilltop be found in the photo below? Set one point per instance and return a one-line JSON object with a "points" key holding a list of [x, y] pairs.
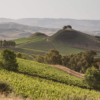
{"points": [[68, 26]]}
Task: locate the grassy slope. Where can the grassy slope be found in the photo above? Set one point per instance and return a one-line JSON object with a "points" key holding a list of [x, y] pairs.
{"points": [[48, 72], [37, 88], [65, 50], [22, 40], [39, 45], [25, 40], [27, 51], [26, 56], [76, 39]]}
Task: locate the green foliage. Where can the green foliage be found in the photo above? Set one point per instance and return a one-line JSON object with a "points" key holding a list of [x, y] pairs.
{"points": [[53, 57], [7, 43], [81, 61], [41, 89], [1, 65], [92, 77], [19, 55], [23, 57], [39, 59], [9, 59], [48, 72]]}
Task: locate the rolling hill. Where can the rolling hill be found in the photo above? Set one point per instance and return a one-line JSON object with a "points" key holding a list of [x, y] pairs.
{"points": [[75, 38], [14, 30], [38, 34]]}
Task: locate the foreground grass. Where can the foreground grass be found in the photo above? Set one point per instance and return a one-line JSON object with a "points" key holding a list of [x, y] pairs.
{"points": [[48, 72], [43, 89]]}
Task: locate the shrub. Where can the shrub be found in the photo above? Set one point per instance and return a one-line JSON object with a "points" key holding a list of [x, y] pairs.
{"points": [[19, 55], [9, 59], [39, 59], [92, 78]]}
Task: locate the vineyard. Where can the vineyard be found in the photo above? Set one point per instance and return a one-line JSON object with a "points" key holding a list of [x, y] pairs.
{"points": [[40, 89], [48, 72], [44, 82]]}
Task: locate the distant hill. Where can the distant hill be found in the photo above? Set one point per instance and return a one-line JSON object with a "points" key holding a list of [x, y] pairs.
{"points": [[38, 34], [14, 30], [75, 38], [82, 25]]}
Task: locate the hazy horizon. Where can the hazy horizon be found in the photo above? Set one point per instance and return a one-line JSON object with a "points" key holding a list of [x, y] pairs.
{"points": [[59, 9]]}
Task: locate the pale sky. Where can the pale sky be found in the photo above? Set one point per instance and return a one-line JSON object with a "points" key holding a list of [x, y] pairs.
{"points": [[73, 9]]}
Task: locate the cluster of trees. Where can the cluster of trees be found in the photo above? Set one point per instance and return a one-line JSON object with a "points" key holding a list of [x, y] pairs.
{"points": [[78, 62], [52, 57], [7, 43], [84, 62], [81, 61], [68, 26]]}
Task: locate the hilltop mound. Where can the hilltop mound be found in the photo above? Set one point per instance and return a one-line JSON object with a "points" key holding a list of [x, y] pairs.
{"points": [[38, 34], [71, 37]]}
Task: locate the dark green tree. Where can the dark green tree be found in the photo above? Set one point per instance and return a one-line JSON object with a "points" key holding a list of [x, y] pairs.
{"points": [[39, 59], [53, 57], [19, 55], [92, 77], [9, 60]]}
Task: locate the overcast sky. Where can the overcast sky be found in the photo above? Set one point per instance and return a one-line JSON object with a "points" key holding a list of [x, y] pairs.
{"points": [[73, 9]]}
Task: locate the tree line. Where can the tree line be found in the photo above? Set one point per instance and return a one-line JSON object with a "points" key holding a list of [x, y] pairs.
{"points": [[83, 61], [4, 43], [79, 62]]}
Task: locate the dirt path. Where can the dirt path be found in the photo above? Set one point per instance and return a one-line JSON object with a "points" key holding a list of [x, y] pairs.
{"points": [[50, 43], [65, 69], [23, 43], [32, 57], [69, 71]]}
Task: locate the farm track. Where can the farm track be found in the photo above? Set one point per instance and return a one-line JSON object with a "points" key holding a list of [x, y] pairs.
{"points": [[69, 71], [32, 57], [65, 69], [23, 43], [50, 43]]}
